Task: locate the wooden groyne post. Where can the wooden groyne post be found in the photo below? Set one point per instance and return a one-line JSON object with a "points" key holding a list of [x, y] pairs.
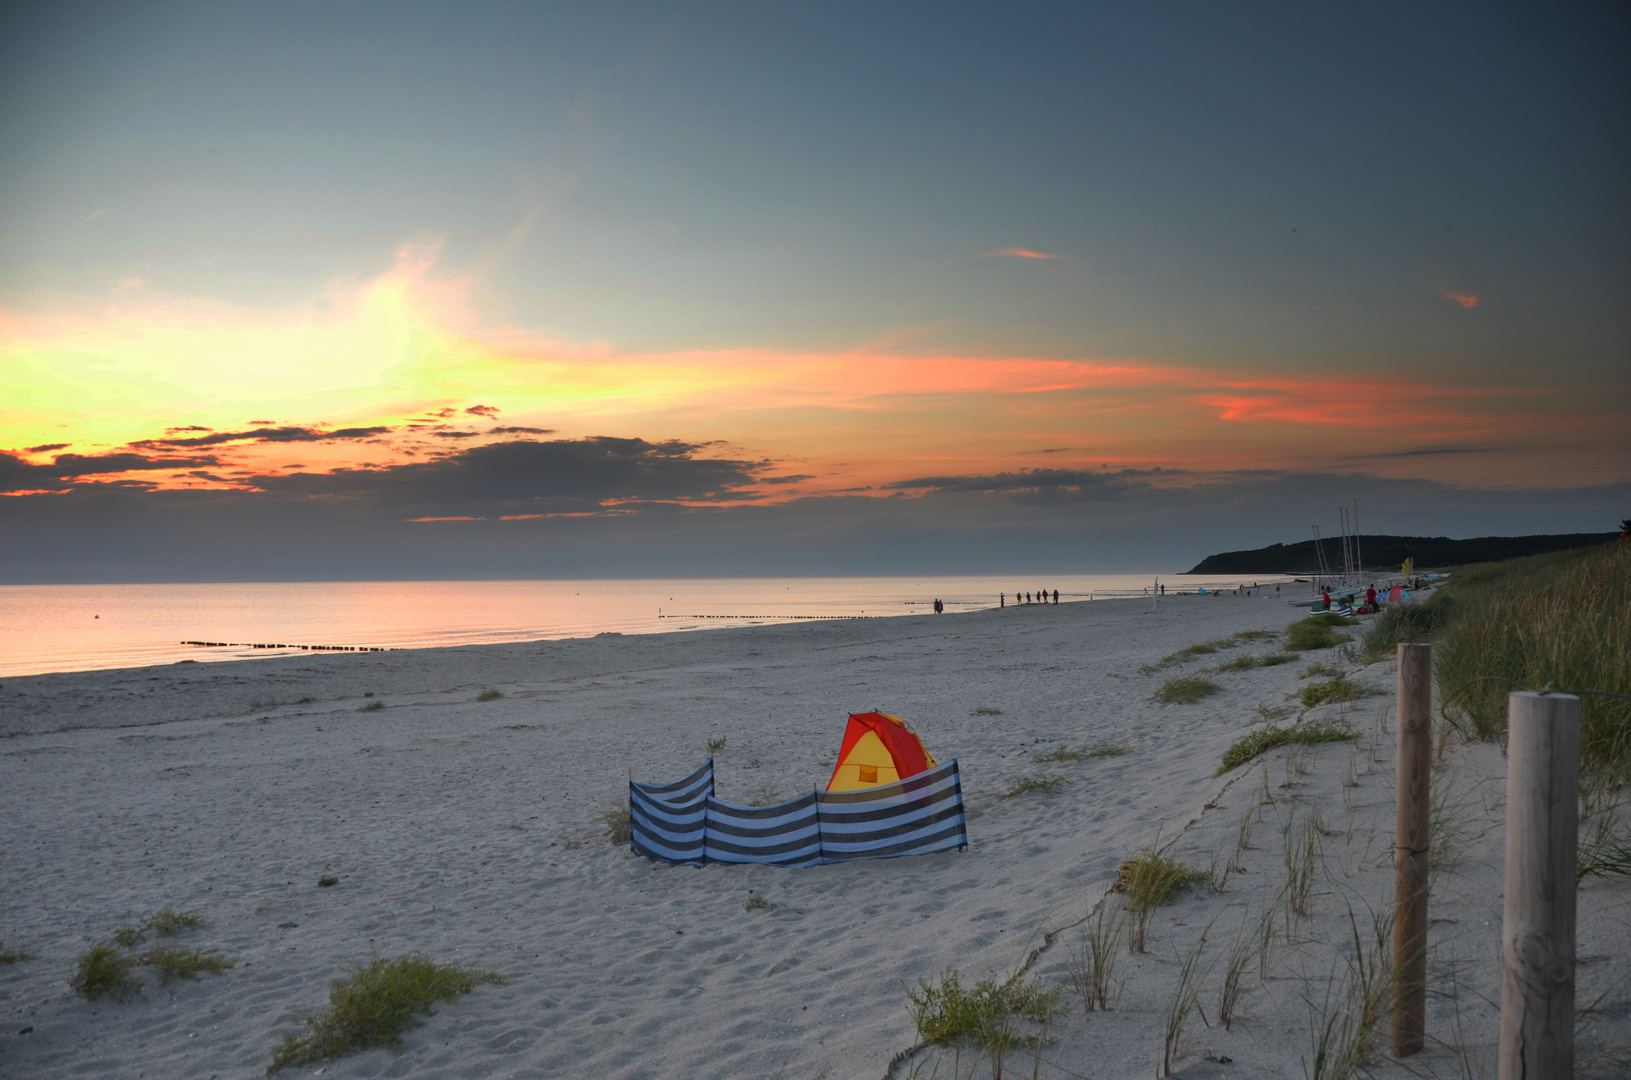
{"points": [[1410, 851], [1537, 928]]}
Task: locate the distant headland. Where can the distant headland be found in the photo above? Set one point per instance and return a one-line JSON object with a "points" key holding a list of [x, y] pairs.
{"points": [[1383, 552]]}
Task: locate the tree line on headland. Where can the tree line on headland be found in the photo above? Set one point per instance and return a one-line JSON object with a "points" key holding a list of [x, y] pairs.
{"points": [[1383, 552]]}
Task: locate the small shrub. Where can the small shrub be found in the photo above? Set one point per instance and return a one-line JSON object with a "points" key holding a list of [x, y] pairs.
{"points": [[14, 957], [1185, 691], [374, 1006], [104, 971], [615, 819], [327, 881], [489, 695], [1338, 689], [716, 745], [985, 710], [1047, 785], [1263, 740], [176, 963], [987, 1014], [758, 903], [373, 706]]}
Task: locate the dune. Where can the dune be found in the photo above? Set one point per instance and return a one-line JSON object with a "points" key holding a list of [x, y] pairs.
{"points": [[469, 831]]}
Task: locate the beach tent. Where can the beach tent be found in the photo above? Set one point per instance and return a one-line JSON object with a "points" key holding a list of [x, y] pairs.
{"points": [[878, 749]]}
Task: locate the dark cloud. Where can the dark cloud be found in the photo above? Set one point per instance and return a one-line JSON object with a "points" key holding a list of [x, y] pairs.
{"points": [[19, 475], [488, 411], [262, 423], [521, 431], [800, 478], [272, 435], [191, 427], [1054, 482], [529, 476], [457, 434], [46, 447]]}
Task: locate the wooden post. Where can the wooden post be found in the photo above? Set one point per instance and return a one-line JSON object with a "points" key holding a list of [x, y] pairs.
{"points": [[1410, 856], [1537, 931]]}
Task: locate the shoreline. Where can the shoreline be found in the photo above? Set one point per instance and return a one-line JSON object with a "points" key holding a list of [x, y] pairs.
{"points": [[468, 831]]}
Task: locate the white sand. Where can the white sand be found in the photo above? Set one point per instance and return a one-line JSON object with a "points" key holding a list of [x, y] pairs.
{"points": [[468, 831]]}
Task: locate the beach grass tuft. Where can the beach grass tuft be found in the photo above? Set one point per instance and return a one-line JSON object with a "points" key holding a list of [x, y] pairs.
{"points": [[617, 823], [1262, 740], [14, 956], [1185, 691], [1092, 962], [1338, 689], [988, 1014], [1047, 785], [104, 971], [489, 695], [165, 922], [1150, 879], [718, 744], [374, 1005], [986, 710], [1315, 632], [327, 881], [758, 903], [373, 706], [178, 963], [1605, 852]]}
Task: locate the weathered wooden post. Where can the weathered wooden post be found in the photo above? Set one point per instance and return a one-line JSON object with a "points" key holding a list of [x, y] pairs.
{"points": [[1410, 856], [1537, 931]]}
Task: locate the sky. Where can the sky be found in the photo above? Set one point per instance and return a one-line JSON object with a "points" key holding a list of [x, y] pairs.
{"points": [[481, 290]]}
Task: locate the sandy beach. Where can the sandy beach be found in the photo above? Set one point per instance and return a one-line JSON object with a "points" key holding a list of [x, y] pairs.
{"points": [[469, 831]]}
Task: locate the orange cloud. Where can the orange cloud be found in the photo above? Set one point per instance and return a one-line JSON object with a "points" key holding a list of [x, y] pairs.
{"points": [[1018, 253], [1466, 300]]}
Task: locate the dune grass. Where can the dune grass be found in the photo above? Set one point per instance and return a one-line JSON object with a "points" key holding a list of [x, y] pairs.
{"points": [[165, 922], [1150, 879], [1562, 618], [1338, 689], [988, 1014], [1243, 663], [374, 1005], [1065, 753], [716, 745], [177, 963], [373, 706], [1263, 740], [14, 956], [616, 822], [986, 710], [1185, 690], [1206, 648], [758, 903], [1316, 632], [489, 695], [104, 971], [1047, 785]]}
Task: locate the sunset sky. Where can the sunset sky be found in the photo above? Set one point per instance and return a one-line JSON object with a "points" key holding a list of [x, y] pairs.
{"points": [[486, 290]]}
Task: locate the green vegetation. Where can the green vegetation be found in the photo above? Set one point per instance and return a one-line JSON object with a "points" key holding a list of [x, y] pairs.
{"points": [[988, 1014], [373, 706], [13, 957], [104, 971], [1064, 753], [716, 745], [374, 1006], [759, 903], [1256, 635], [1314, 671], [1265, 739], [1606, 851], [1047, 785], [1563, 618], [165, 922], [1405, 622], [1149, 880], [615, 819], [1315, 632], [327, 881], [1340, 688], [178, 963], [985, 710], [489, 695], [1185, 691]]}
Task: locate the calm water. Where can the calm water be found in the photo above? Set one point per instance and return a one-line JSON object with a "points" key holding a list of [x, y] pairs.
{"points": [[86, 627]]}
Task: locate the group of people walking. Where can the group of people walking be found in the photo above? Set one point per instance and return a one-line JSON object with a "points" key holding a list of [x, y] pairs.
{"points": [[1041, 597]]}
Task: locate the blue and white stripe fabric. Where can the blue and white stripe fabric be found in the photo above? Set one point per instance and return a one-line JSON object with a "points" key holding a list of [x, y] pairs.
{"points": [[786, 834], [684, 823], [667, 821], [915, 816]]}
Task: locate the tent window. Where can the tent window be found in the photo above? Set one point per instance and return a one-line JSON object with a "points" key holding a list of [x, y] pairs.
{"points": [[869, 774]]}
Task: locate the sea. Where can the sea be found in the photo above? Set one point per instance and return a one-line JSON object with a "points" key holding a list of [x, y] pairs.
{"points": [[46, 628]]}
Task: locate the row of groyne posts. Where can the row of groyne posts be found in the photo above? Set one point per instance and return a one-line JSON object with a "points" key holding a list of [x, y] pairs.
{"points": [[1538, 919], [308, 648]]}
